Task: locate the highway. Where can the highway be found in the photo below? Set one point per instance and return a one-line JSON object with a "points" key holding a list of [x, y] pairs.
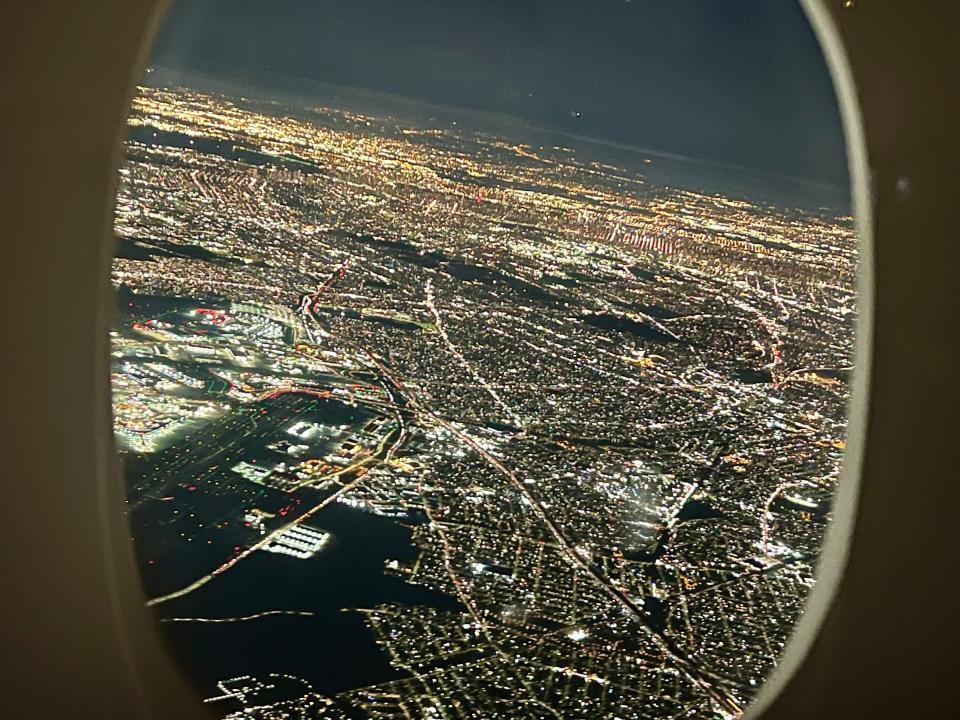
{"points": [[720, 695]]}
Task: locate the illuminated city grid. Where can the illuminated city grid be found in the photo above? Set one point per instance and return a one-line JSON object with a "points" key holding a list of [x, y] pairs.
{"points": [[612, 413]]}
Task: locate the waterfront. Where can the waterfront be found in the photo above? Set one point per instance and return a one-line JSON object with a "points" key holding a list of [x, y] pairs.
{"points": [[332, 648], [615, 409]]}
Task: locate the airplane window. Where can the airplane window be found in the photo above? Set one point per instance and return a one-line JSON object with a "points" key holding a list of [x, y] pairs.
{"points": [[482, 359]]}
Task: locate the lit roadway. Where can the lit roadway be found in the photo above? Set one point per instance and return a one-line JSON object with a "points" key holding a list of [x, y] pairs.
{"points": [[385, 453], [718, 694]]}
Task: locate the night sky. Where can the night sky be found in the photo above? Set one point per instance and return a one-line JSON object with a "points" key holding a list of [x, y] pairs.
{"points": [[738, 81]]}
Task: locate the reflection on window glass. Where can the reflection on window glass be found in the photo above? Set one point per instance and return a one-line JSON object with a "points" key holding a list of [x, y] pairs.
{"points": [[439, 397]]}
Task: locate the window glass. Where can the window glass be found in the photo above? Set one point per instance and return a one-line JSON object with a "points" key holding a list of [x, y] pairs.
{"points": [[482, 359]]}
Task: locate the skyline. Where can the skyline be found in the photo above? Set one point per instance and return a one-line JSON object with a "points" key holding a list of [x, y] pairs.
{"points": [[696, 80]]}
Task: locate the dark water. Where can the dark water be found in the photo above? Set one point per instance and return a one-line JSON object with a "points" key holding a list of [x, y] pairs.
{"points": [[333, 650], [182, 538]]}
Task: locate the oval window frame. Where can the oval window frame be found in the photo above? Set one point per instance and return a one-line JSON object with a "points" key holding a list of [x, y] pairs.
{"points": [[837, 542]]}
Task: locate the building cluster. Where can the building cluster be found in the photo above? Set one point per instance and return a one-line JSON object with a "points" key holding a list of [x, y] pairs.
{"points": [[613, 413]]}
